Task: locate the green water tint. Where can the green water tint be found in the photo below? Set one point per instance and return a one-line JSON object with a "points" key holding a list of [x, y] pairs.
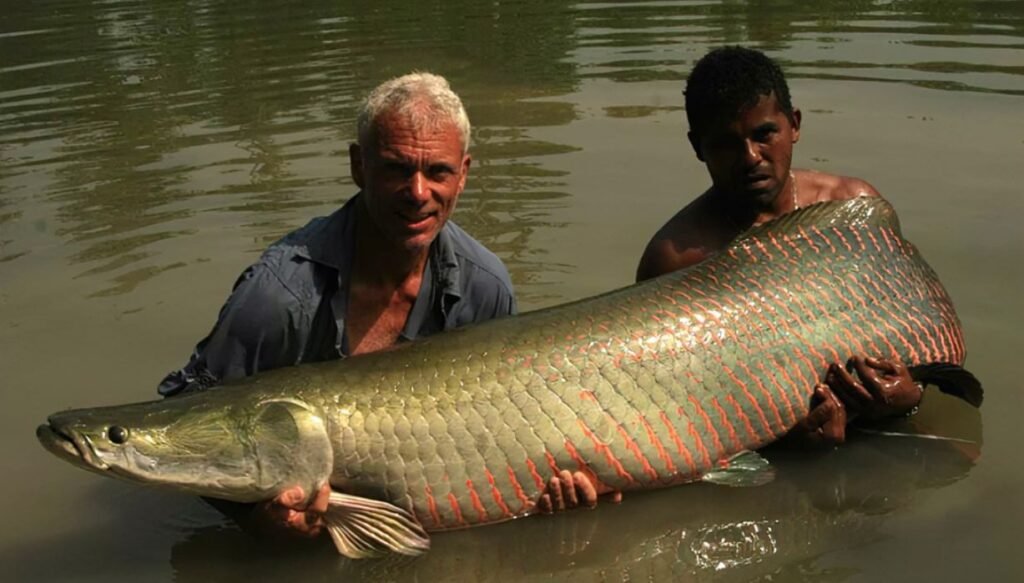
{"points": [[150, 150]]}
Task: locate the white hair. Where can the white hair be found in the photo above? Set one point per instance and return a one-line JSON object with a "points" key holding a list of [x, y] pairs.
{"points": [[425, 99]]}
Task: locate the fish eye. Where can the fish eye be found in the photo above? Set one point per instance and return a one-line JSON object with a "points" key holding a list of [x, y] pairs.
{"points": [[117, 434]]}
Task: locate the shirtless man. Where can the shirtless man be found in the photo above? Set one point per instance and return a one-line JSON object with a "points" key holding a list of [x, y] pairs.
{"points": [[743, 128]]}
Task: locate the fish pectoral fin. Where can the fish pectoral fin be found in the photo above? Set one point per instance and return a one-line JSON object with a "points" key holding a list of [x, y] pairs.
{"points": [[746, 468], [365, 528]]}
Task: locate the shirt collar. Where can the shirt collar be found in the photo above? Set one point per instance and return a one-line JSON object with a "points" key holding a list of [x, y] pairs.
{"points": [[332, 243]]}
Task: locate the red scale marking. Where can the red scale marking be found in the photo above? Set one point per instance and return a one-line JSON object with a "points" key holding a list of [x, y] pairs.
{"points": [[810, 347], [496, 494], [763, 249], [707, 423], [695, 435], [432, 506], [755, 438], [860, 240], [863, 349], [941, 332], [750, 253], [793, 245], [824, 237], [887, 235], [768, 394], [810, 240], [656, 442], [771, 400], [828, 285], [746, 392], [551, 462], [574, 454], [782, 390], [847, 349], [885, 322], [955, 340], [874, 241], [454, 503], [606, 451], [537, 480], [481, 512], [728, 424], [518, 488], [632, 446], [846, 243], [775, 242], [680, 446], [914, 356], [810, 316]]}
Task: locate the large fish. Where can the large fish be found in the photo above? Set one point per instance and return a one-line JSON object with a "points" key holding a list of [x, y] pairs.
{"points": [[660, 383]]}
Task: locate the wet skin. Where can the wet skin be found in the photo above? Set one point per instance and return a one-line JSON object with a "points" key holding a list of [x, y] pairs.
{"points": [[749, 158]]}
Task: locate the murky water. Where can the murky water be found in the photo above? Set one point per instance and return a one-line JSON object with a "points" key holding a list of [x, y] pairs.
{"points": [[149, 150]]}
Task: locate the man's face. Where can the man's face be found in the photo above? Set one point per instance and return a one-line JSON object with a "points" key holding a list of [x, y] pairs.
{"points": [[411, 179], [749, 155]]}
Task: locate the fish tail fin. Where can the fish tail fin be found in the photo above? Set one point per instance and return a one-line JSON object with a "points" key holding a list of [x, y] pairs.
{"points": [[951, 379], [364, 528]]}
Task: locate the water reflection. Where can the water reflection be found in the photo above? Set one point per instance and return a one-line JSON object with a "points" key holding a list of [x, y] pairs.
{"points": [[837, 501], [139, 138], [143, 121], [176, 115]]}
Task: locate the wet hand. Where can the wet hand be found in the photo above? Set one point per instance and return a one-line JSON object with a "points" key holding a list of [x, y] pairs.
{"points": [[825, 425], [289, 514], [882, 388], [569, 490]]}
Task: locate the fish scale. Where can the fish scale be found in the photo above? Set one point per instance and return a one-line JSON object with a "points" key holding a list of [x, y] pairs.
{"points": [[651, 385], [657, 383]]}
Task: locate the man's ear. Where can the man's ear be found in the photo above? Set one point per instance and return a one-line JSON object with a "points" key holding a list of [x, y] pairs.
{"points": [[466, 161], [355, 164], [695, 144], [797, 118]]}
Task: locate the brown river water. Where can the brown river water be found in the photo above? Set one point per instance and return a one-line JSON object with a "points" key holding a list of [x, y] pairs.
{"points": [[150, 149]]}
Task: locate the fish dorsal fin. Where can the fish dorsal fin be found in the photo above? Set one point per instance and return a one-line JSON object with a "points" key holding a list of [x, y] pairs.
{"points": [[861, 211], [365, 528]]}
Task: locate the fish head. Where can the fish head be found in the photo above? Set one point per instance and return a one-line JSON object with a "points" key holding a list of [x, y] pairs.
{"points": [[245, 452]]}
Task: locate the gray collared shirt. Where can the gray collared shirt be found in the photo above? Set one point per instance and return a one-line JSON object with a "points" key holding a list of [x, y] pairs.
{"points": [[289, 307]]}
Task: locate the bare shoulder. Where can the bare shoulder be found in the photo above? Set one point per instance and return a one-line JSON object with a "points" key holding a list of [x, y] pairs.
{"points": [[686, 239], [826, 186]]}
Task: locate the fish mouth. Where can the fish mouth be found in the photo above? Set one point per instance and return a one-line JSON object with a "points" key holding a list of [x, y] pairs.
{"points": [[69, 447]]}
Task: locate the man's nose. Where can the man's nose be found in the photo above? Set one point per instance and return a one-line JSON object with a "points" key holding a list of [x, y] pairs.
{"points": [[751, 153], [419, 187]]}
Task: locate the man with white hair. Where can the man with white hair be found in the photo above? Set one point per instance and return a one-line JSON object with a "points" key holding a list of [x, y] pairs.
{"points": [[387, 267]]}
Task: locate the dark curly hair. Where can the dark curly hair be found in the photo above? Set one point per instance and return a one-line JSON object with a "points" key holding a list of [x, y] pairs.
{"points": [[728, 80]]}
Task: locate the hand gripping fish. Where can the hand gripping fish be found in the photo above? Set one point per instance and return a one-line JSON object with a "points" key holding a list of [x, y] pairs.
{"points": [[669, 381]]}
